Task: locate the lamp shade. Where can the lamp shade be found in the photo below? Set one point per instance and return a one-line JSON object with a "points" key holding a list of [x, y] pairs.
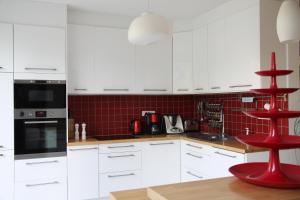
{"points": [[148, 28], [288, 22]]}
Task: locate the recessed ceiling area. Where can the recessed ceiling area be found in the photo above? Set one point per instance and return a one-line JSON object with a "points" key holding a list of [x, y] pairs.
{"points": [[172, 9]]}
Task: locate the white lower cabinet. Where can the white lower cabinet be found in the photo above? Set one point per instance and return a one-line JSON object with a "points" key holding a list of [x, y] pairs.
{"points": [[83, 183], [189, 174], [7, 175]]}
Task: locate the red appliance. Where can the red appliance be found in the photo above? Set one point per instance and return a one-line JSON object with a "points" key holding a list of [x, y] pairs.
{"points": [[135, 126]]}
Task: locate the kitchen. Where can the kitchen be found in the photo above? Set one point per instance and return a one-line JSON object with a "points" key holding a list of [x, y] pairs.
{"points": [[86, 105]]}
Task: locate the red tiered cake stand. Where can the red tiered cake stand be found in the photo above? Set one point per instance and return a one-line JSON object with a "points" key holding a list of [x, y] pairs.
{"points": [[272, 173]]}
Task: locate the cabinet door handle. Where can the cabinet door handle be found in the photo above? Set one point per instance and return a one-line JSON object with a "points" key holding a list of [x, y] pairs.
{"points": [[41, 163], [198, 89], [166, 143], [80, 89], [2, 67], [42, 184], [86, 149], [215, 88], [155, 90], [190, 145], [189, 154], [1, 155], [182, 90], [116, 90], [40, 122], [121, 156], [120, 175], [223, 154], [40, 69], [192, 174], [240, 86], [1, 146], [116, 147]]}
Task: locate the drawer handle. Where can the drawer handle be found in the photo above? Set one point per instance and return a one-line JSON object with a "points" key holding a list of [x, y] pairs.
{"points": [[189, 154], [41, 122], [166, 143], [1, 147], [1, 67], [120, 175], [240, 86], [123, 156], [116, 147], [198, 89], [41, 69], [182, 90], [192, 174], [215, 88], [42, 184], [116, 90], [223, 154], [80, 89], [86, 149], [155, 90], [190, 145], [40, 163], [1, 155]]}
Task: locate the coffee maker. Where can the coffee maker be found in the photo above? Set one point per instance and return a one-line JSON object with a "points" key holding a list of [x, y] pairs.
{"points": [[152, 123], [172, 124]]}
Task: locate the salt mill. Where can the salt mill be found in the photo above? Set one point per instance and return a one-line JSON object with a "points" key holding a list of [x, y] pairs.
{"points": [[76, 131], [83, 134]]}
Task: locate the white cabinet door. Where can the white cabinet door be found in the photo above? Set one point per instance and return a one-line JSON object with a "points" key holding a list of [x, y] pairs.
{"points": [[6, 47], [183, 63], [218, 72], [189, 174], [83, 172], [7, 111], [39, 49], [242, 44], [154, 68], [81, 73], [114, 61], [7, 175], [161, 162], [200, 70]]}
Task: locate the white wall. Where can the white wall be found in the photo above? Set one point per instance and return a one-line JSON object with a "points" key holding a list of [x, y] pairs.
{"points": [[33, 13]]}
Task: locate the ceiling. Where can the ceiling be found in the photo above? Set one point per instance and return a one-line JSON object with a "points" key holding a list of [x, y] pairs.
{"points": [[172, 9]]}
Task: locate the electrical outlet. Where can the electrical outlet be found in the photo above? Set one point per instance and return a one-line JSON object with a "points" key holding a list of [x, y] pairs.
{"points": [[248, 99], [144, 112]]}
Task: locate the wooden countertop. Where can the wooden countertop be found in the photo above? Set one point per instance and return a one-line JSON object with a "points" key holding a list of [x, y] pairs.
{"points": [[231, 145], [216, 189]]}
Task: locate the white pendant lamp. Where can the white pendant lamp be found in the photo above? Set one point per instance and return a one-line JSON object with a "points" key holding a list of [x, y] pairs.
{"points": [[288, 22], [148, 28]]}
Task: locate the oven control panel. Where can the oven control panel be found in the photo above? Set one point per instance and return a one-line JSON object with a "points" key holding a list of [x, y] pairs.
{"points": [[39, 114]]}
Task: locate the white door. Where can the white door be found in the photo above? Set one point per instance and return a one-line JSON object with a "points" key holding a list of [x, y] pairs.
{"points": [[154, 68], [7, 111], [183, 63], [83, 172], [7, 175], [81, 73], [114, 61], [200, 71], [242, 44], [161, 163], [6, 47], [39, 49]]}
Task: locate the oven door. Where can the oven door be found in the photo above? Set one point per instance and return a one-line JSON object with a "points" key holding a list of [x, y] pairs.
{"points": [[40, 138], [40, 94]]}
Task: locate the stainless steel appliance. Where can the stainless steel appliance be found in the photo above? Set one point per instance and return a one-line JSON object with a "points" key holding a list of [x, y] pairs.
{"points": [[173, 124], [40, 119], [191, 125]]}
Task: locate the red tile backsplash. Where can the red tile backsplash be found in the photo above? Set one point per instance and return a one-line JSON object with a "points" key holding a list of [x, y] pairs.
{"points": [[111, 115]]}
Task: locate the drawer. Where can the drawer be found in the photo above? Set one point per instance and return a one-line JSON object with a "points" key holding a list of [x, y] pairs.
{"points": [[192, 146], [42, 168], [46, 189], [115, 162], [188, 174], [202, 162], [119, 147], [111, 182]]}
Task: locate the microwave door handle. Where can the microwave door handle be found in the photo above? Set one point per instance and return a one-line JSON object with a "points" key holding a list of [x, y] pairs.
{"points": [[41, 122]]}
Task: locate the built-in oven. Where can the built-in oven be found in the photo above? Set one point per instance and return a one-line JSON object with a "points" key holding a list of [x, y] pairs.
{"points": [[40, 133]]}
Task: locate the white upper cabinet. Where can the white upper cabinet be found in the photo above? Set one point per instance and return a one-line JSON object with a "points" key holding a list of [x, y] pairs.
{"points": [[6, 47], [183, 63], [114, 61], [81, 73], [39, 49], [154, 68], [242, 44], [200, 71], [7, 111]]}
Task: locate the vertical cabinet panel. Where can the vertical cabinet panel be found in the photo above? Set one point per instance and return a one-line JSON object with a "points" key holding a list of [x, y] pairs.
{"points": [[83, 173], [114, 61], [7, 111], [81, 71], [183, 63], [6, 47], [39, 49], [7, 175], [154, 68]]}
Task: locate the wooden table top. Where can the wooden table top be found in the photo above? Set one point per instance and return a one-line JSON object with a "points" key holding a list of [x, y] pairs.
{"points": [[138, 194]]}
